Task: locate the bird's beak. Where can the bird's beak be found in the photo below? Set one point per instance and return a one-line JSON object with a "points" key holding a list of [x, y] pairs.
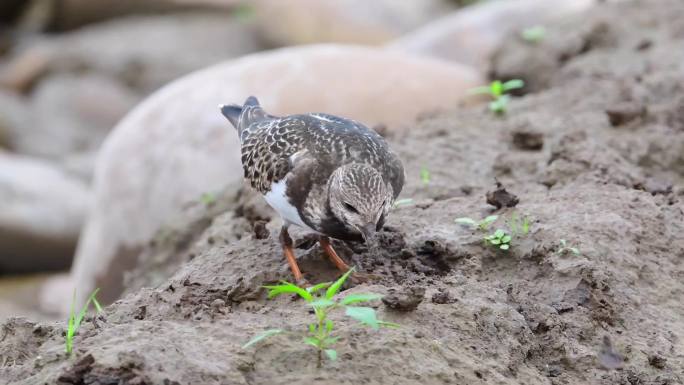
{"points": [[368, 232]]}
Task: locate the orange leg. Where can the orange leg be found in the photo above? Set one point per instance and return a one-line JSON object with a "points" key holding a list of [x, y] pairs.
{"points": [[286, 242], [327, 247]]}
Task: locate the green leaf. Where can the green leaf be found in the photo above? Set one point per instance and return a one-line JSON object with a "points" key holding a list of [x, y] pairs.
{"points": [[402, 202], [526, 225], [318, 287], [335, 287], [331, 353], [484, 224], [328, 326], [513, 84], [496, 88], [465, 221], [499, 233], [505, 246], [483, 90], [365, 315], [287, 287], [355, 298], [534, 34], [312, 328], [424, 175], [390, 325], [575, 250], [313, 341], [266, 334], [321, 303], [495, 241], [506, 239]]}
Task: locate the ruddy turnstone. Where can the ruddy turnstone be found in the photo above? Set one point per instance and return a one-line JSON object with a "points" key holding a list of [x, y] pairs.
{"points": [[330, 175]]}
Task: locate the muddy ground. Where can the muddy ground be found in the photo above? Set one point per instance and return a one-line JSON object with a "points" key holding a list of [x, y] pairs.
{"points": [[596, 157]]}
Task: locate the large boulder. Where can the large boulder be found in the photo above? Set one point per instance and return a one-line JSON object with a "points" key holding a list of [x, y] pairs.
{"points": [[470, 35], [176, 145], [42, 211], [295, 22]]}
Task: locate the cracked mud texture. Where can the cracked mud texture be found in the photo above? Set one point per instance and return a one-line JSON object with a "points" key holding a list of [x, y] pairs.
{"points": [[613, 187]]}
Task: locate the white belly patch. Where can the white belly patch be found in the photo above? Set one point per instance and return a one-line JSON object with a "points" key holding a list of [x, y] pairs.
{"points": [[276, 198]]}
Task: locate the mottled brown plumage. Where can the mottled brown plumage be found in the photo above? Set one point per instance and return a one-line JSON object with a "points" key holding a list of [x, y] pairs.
{"points": [[329, 174]]}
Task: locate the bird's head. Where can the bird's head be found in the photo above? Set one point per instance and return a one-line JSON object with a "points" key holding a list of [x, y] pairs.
{"points": [[359, 198]]}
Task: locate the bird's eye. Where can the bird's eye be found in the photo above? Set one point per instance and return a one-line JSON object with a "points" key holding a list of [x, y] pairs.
{"points": [[350, 208]]}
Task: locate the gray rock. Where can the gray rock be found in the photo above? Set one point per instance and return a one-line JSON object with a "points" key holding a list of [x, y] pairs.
{"points": [[295, 22], [41, 213], [146, 52], [470, 35]]}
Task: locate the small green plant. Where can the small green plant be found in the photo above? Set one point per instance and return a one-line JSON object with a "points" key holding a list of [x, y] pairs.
{"points": [[499, 239], [74, 321], [564, 248], [403, 202], [502, 239], [482, 224], [425, 176], [498, 91], [208, 198], [533, 34], [320, 334]]}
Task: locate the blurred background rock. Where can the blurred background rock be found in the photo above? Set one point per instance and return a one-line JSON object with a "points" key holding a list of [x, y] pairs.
{"points": [[70, 70]]}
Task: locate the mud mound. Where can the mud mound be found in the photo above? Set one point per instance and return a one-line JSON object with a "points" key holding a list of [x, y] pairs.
{"points": [[590, 295]]}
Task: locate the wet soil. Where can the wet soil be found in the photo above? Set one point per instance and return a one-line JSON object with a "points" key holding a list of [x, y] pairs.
{"points": [[602, 172]]}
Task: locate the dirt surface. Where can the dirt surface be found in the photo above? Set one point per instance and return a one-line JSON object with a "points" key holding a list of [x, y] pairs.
{"points": [[612, 313]]}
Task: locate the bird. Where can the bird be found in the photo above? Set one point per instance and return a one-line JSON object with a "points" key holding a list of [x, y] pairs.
{"points": [[330, 175]]}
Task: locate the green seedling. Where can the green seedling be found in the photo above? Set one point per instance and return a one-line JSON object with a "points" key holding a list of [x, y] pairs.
{"points": [[425, 176], [564, 248], [320, 334], [499, 239], [533, 34], [208, 198], [502, 239], [74, 322], [482, 225], [403, 202], [498, 91]]}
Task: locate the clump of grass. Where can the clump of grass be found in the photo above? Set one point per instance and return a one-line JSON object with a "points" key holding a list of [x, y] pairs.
{"points": [[481, 225], [502, 239], [533, 34], [74, 321], [564, 249], [498, 91], [320, 333]]}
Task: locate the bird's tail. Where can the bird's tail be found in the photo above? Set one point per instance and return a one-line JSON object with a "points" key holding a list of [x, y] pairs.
{"points": [[243, 116]]}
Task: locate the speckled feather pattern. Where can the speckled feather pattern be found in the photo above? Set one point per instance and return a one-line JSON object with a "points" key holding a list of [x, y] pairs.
{"points": [[306, 149]]}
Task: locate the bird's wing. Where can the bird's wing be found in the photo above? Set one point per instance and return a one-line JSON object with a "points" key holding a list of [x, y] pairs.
{"points": [[270, 150]]}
